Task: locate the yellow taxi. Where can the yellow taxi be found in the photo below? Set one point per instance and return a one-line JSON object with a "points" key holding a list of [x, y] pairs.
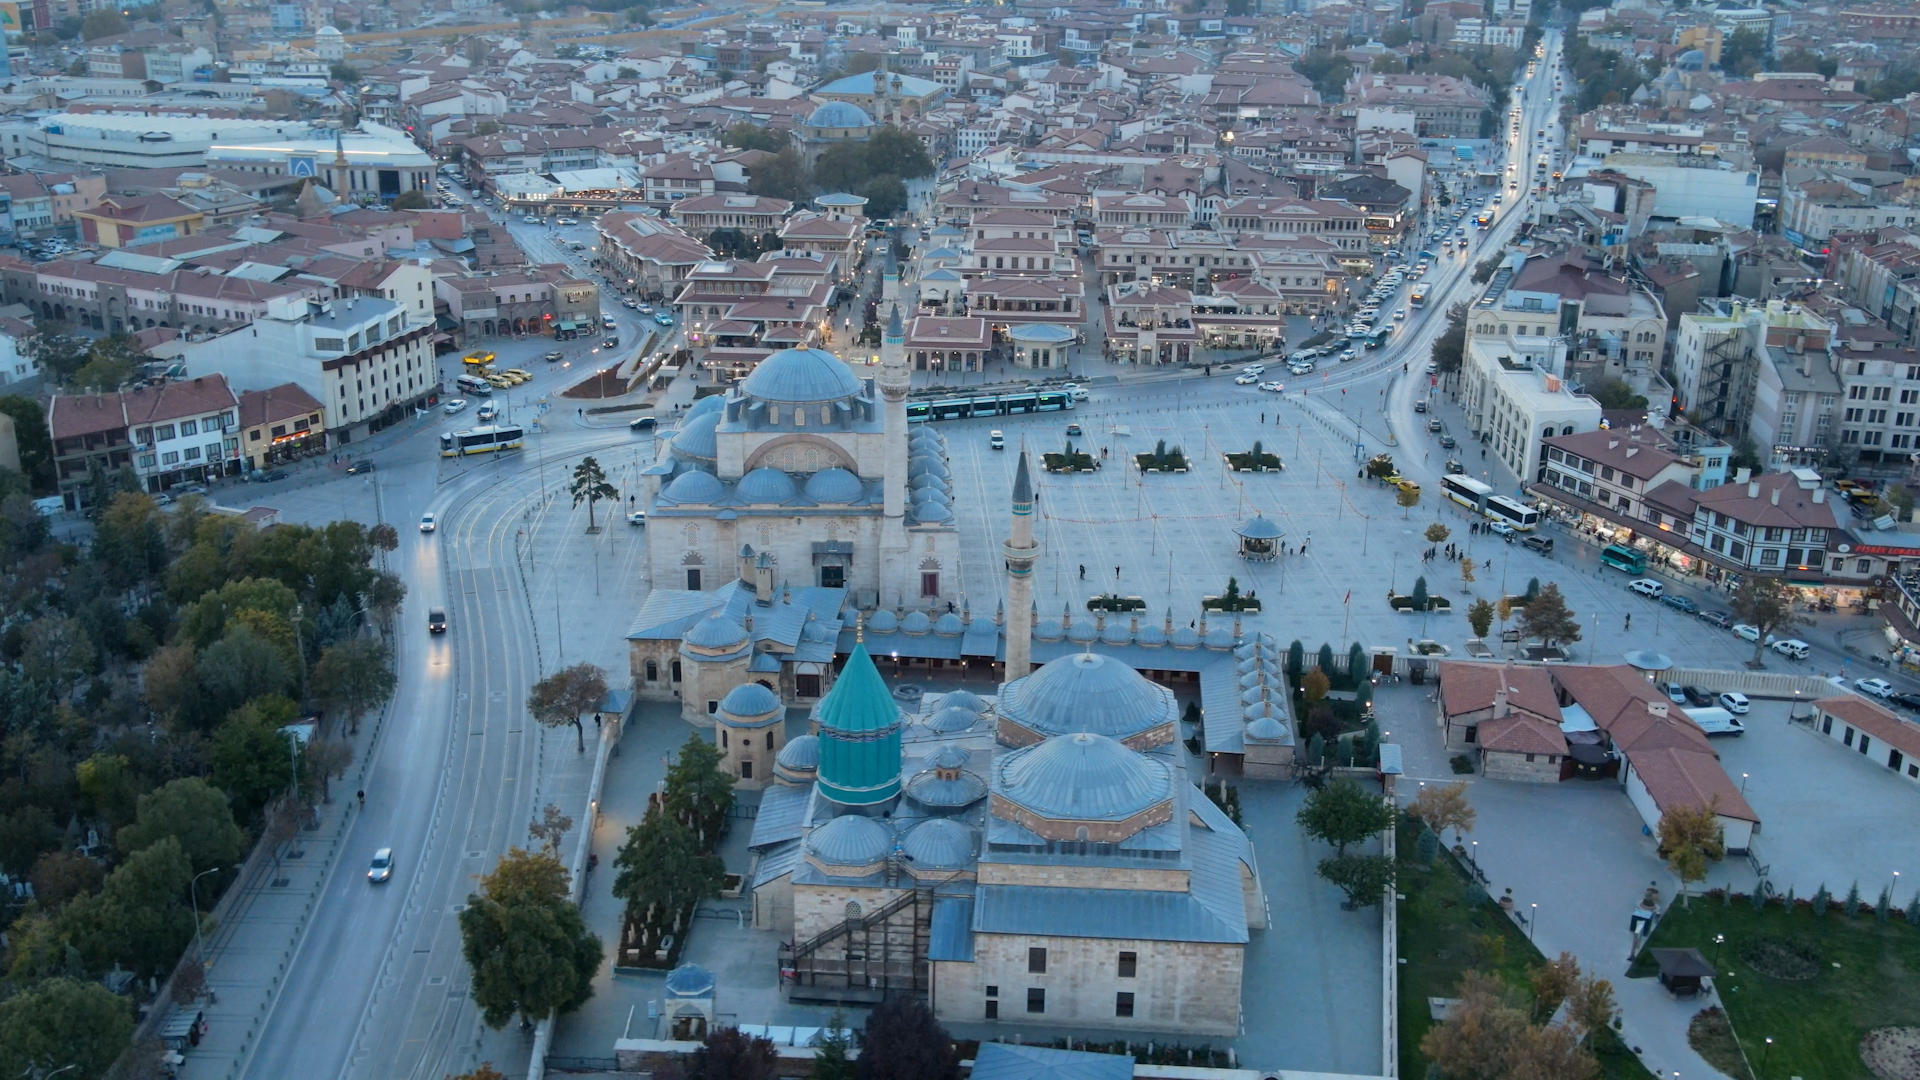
{"points": [[500, 381], [518, 373]]}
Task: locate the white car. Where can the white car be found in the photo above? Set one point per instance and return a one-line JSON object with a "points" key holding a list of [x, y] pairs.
{"points": [[1879, 688], [1747, 631], [1075, 391], [1737, 704], [455, 405], [638, 517], [381, 868], [1246, 380], [427, 523], [1502, 529], [1254, 369], [1273, 387]]}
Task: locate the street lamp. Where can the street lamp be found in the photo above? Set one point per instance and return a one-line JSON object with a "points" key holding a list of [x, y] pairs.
{"points": [[1764, 1056], [1475, 854], [1743, 792], [1718, 940], [199, 953], [1533, 921]]}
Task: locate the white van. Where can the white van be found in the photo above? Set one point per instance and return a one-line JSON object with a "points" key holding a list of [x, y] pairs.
{"points": [[1716, 721], [1646, 587], [996, 440], [1793, 648]]}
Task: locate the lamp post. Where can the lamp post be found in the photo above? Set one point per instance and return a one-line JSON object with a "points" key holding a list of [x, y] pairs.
{"points": [[1533, 920], [1718, 940], [1743, 792], [1768, 1053], [1475, 855], [199, 953]]}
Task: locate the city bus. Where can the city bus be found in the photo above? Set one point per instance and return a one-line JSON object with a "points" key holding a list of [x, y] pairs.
{"points": [[1484, 218], [1522, 517], [1418, 297], [1467, 491], [474, 385], [1026, 401], [481, 440], [1379, 336], [1623, 558]]}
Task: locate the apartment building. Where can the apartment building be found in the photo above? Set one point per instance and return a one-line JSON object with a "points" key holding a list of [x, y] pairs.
{"points": [[751, 214], [280, 424], [1515, 394], [1715, 368], [546, 300], [1883, 279], [1179, 257], [1779, 523], [1690, 185], [35, 204], [645, 254], [174, 433], [110, 296], [1604, 478], [1812, 211], [360, 357]]}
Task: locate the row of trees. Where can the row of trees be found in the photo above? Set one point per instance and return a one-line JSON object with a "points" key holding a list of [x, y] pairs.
{"points": [[145, 681], [668, 863]]}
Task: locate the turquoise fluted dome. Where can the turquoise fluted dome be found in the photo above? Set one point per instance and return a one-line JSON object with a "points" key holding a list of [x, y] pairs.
{"points": [[859, 736]]}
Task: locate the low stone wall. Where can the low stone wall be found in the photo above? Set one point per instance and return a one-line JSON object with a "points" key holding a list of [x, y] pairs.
{"points": [[1779, 685]]}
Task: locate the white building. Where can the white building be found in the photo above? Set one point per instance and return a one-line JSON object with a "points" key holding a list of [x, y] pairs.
{"points": [[131, 141], [362, 357], [1693, 186], [370, 160], [1514, 396]]}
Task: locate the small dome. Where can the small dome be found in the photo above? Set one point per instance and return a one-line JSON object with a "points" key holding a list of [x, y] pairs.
{"points": [[839, 114], [924, 439], [695, 486], [939, 844], [928, 466], [689, 980], [982, 625], [883, 621], [850, 840], [965, 699], [928, 482], [1260, 528], [712, 403], [1083, 777], [1220, 637], [916, 623], [1266, 729], [950, 756], [1151, 636], [952, 719], [327, 32], [800, 755], [948, 625], [1087, 692], [1082, 632], [932, 512], [750, 701], [764, 485], [716, 632], [801, 376], [836, 486], [930, 789], [1260, 692], [1116, 633], [695, 439], [1262, 709], [1185, 637], [1048, 630]]}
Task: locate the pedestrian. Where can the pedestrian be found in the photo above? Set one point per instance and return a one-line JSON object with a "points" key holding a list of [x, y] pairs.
{"points": [[1116, 573], [1629, 623], [1083, 571]]}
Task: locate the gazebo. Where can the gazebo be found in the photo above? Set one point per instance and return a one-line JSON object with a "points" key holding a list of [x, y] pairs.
{"points": [[1259, 538], [1681, 970], [1040, 345]]}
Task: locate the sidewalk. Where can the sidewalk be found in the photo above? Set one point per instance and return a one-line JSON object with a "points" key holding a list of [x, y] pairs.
{"points": [[253, 931]]}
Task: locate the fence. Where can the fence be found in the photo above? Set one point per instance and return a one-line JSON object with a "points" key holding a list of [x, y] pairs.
{"points": [[1755, 684]]}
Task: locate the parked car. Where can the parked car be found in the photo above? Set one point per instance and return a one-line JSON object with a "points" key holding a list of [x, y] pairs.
{"points": [[1073, 430], [1879, 688], [1697, 696], [1716, 722], [1448, 442], [381, 869], [1541, 544], [1750, 632], [1720, 619], [1792, 648], [1680, 603], [1906, 700], [1434, 424], [1675, 692], [1735, 703]]}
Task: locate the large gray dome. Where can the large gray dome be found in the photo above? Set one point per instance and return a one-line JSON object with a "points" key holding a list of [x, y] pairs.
{"points": [[695, 486], [801, 376], [850, 840], [835, 486], [695, 439], [939, 844], [839, 114], [764, 485], [712, 403], [952, 718], [1087, 692], [1083, 777]]}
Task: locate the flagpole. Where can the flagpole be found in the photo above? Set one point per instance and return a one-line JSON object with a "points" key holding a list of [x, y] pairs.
{"points": [[1347, 619]]}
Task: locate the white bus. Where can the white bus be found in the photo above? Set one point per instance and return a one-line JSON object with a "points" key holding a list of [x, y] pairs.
{"points": [[481, 440], [473, 385], [1467, 491], [1522, 517]]}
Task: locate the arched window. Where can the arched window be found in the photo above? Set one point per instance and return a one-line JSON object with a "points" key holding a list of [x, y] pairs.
{"points": [[853, 909], [653, 671], [769, 740], [723, 738], [676, 671]]}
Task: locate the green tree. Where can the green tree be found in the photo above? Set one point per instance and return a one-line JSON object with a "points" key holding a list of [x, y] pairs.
{"points": [[1341, 813], [341, 72], [728, 1054], [30, 430], [1767, 604], [903, 1041], [129, 547], [784, 176], [250, 758], [626, 72], [832, 1060], [1362, 877], [58, 352], [886, 195], [1615, 394], [204, 620], [1420, 596], [109, 787], [590, 486], [240, 666], [1407, 497], [111, 364], [1327, 70], [563, 696], [139, 919], [412, 200], [1480, 617], [75, 1027], [1546, 617], [698, 792], [57, 651], [528, 949], [352, 677], [1743, 51], [893, 152], [1690, 838], [1296, 660], [747, 136], [1449, 349], [192, 812], [24, 834]]}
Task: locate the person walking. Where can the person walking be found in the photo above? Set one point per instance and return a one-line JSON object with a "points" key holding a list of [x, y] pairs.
{"points": [[1629, 623], [1083, 571]]}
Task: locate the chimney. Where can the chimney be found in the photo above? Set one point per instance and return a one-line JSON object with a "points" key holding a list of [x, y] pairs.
{"points": [[1819, 496], [1775, 497], [1657, 708], [1500, 706], [763, 579], [1753, 489], [1740, 475]]}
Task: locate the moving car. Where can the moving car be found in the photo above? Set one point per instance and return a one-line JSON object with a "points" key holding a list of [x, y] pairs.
{"points": [[1075, 391], [1879, 688], [1792, 649], [1502, 530], [1734, 703], [1275, 387], [663, 318], [359, 467], [643, 423], [381, 868], [455, 405], [1716, 721], [1073, 430], [611, 343], [1420, 406], [1447, 442], [1720, 619], [1541, 544], [1645, 587], [489, 412], [554, 358], [427, 523], [436, 621], [1246, 380], [638, 517], [996, 440]]}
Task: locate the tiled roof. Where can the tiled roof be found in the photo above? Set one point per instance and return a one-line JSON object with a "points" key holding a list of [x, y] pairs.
{"points": [[1874, 720]]}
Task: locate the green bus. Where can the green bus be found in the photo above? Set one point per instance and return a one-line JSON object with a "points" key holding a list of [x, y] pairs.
{"points": [[1623, 558]]}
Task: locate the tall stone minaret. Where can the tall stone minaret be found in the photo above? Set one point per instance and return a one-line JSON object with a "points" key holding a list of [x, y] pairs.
{"points": [[894, 383], [1020, 552]]}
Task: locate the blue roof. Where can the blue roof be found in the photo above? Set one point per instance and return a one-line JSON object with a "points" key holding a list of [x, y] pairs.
{"points": [[839, 114], [695, 437], [906, 85], [939, 844], [1082, 777], [1122, 914], [765, 485], [836, 486], [801, 376], [850, 840], [859, 735], [1088, 691], [1001, 1061], [689, 980], [750, 700], [716, 631], [783, 810], [951, 937]]}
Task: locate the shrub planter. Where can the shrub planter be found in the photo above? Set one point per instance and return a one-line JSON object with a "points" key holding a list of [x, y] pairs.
{"points": [[1114, 602], [1162, 458], [1222, 603], [1254, 463], [1074, 462], [1436, 604]]}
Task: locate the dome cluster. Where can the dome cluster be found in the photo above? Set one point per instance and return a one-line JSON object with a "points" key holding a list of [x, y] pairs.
{"points": [[1087, 692]]}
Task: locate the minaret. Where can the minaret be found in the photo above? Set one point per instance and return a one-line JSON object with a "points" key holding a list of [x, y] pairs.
{"points": [[894, 383], [342, 173], [1020, 552]]}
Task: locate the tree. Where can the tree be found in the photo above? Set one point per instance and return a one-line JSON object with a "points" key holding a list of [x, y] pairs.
{"points": [[1443, 807], [1420, 595], [903, 1041], [561, 697], [1741, 52], [893, 152], [58, 353], [1479, 1033], [626, 72], [590, 485], [1362, 877], [1437, 533], [784, 176], [1327, 71], [240, 666], [1466, 571], [1341, 813], [1314, 686], [1690, 838], [1615, 394], [24, 834], [1408, 497], [111, 364], [661, 870], [728, 1054], [192, 812], [250, 759], [412, 200], [1546, 617], [698, 792], [747, 136], [323, 760], [61, 1023], [139, 919], [102, 22], [171, 682], [529, 951], [1296, 659], [57, 651], [550, 829], [1766, 603], [352, 677], [1450, 347], [886, 195], [831, 1060]]}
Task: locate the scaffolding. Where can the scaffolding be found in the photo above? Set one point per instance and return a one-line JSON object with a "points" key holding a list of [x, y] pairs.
{"points": [[868, 957]]}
